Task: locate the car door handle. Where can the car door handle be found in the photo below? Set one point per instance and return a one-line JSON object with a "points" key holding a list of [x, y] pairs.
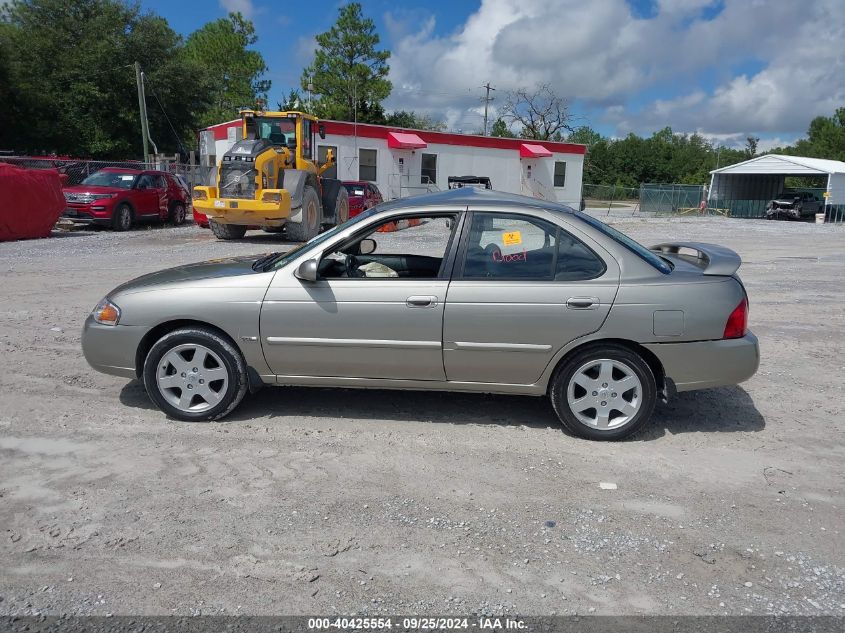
{"points": [[421, 301], [582, 303]]}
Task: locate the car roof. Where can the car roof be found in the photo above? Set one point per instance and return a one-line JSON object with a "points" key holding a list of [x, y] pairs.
{"points": [[469, 196]]}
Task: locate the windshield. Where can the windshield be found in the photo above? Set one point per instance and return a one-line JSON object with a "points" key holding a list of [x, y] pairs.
{"points": [[279, 261], [277, 131], [627, 242], [122, 180], [355, 190]]}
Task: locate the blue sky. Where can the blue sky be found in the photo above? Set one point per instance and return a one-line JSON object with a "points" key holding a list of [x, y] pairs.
{"points": [[717, 67]]}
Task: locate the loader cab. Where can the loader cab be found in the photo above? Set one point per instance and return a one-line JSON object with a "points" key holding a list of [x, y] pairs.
{"points": [[295, 131]]}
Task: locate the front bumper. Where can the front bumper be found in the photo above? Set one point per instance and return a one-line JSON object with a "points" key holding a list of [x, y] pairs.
{"points": [[85, 214], [246, 210], [111, 349], [706, 364]]}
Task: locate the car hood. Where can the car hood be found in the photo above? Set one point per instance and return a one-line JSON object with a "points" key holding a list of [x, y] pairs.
{"points": [[213, 269], [93, 189], [784, 200]]}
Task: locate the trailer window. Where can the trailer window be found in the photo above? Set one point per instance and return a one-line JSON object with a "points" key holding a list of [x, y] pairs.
{"points": [[367, 159]]}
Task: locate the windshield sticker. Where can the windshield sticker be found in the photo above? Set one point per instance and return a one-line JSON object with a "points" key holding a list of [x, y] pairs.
{"points": [[130, 177], [513, 238]]}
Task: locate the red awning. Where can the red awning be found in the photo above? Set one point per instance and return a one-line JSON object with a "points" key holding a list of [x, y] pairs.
{"points": [[405, 140], [530, 150]]}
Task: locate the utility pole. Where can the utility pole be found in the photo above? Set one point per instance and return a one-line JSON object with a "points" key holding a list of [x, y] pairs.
{"points": [[487, 100], [142, 108]]}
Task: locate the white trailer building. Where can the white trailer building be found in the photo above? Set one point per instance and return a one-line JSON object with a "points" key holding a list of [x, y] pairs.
{"points": [[403, 162]]}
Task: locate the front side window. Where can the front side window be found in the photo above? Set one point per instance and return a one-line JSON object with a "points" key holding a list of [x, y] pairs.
{"points": [[367, 164], [306, 138], [412, 247], [512, 246]]}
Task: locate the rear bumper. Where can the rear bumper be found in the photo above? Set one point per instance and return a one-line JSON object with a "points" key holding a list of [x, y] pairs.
{"points": [[706, 364]]}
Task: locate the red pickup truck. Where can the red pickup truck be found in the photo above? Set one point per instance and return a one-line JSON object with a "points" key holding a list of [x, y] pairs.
{"points": [[118, 198]]}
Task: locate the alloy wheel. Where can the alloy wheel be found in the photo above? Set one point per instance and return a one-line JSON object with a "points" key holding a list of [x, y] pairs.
{"points": [[192, 377], [604, 394]]}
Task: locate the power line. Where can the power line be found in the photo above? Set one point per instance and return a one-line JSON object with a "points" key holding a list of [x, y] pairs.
{"points": [[172, 129]]}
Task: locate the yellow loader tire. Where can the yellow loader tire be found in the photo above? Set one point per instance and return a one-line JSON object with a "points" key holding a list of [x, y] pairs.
{"points": [[227, 231], [311, 214]]}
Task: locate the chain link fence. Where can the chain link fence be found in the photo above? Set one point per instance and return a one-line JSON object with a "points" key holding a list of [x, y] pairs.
{"points": [[668, 198], [610, 197], [73, 172]]}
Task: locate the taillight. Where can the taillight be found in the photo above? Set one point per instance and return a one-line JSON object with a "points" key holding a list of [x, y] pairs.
{"points": [[737, 325]]}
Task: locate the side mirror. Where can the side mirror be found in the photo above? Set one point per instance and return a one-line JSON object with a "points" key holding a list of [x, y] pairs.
{"points": [[307, 270], [321, 130], [367, 246]]}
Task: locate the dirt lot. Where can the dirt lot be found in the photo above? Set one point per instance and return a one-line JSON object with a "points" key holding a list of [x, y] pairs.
{"points": [[321, 501]]}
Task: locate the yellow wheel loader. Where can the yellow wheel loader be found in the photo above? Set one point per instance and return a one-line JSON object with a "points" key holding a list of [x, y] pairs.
{"points": [[271, 180]]}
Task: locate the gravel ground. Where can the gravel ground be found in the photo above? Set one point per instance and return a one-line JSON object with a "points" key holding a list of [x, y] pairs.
{"points": [[334, 501]]}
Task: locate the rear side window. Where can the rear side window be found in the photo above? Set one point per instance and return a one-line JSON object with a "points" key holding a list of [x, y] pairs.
{"points": [[632, 245], [512, 246]]}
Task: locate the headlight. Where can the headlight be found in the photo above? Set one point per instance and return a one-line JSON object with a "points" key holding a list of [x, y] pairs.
{"points": [[106, 313], [101, 196], [199, 194]]}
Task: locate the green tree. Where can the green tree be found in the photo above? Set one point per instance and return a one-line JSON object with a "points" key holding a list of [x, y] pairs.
{"points": [[233, 71], [501, 129], [825, 138], [348, 72], [414, 120], [585, 135], [70, 69]]}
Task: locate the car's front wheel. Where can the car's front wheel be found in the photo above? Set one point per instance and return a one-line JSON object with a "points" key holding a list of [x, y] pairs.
{"points": [[195, 374], [605, 392]]}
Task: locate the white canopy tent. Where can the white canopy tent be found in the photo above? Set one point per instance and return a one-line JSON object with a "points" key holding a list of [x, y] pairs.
{"points": [[747, 186]]}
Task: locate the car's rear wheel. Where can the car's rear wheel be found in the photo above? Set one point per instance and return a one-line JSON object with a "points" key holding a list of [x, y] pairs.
{"points": [[177, 213], [605, 392], [195, 374], [122, 218], [227, 231]]}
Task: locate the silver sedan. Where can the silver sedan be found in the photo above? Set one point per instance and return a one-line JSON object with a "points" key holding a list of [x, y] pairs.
{"points": [[464, 290]]}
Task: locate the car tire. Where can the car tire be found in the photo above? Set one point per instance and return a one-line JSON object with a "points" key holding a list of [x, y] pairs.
{"points": [[177, 214], [227, 231], [122, 218], [310, 224], [190, 387], [617, 410], [341, 206]]}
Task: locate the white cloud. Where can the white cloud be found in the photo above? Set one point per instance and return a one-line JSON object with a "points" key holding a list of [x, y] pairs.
{"points": [[244, 7], [600, 55]]}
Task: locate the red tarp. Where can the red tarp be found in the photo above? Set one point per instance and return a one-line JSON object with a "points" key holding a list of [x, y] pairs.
{"points": [[31, 201]]}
